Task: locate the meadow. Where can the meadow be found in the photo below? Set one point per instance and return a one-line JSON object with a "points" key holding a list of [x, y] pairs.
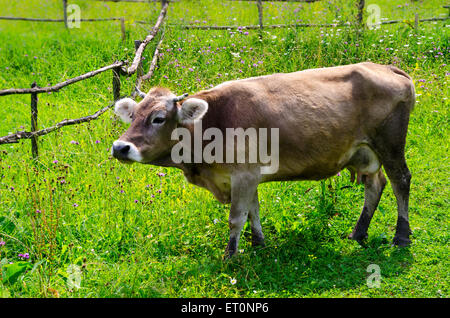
{"points": [[78, 223]]}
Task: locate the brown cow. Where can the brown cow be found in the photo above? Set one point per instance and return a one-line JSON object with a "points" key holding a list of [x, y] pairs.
{"points": [[327, 119]]}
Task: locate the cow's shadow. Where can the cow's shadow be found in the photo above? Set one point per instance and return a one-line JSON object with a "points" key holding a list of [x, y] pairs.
{"points": [[292, 267], [323, 267]]}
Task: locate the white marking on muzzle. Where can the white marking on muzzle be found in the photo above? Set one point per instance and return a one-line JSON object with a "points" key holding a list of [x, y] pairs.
{"points": [[132, 154]]}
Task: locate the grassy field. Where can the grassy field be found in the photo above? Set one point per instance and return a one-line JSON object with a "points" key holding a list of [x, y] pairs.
{"points": [[78, 223]]}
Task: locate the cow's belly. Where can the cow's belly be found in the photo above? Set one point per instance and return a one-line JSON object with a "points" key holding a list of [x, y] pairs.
{"points": [[359, 158]]}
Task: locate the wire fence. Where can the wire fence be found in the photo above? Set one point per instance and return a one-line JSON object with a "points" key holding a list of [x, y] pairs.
{"points": [[123, 68], [360, 4], [118, 68]]}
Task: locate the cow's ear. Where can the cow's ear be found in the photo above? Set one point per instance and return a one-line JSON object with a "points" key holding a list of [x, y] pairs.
{"points": [[124, 109], [192, 110]]}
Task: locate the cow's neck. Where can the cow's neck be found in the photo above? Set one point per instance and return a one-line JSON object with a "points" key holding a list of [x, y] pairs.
{"points": [[203, 175], [187, 168]]}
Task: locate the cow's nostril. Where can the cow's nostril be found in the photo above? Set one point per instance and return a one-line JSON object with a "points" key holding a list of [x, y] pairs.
{"points": [[121, 150], [124, 149]]}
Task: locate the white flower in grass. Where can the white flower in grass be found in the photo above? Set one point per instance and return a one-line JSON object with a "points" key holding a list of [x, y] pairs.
{"points": [[233, 281]]}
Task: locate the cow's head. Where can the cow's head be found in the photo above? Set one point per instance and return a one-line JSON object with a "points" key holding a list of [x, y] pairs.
{"points": [[152, 121]]}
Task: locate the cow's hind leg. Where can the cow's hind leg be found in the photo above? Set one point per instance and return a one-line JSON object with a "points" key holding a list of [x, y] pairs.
{"points": [[373, 188], [390, 145], [400, 178]]}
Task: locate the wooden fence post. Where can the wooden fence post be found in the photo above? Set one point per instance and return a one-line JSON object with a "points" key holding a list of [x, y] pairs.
{"points": [[260, 17], [360, 11], [416, 21], [260, 13], [65, 13], [116, 82], [34, 118], [122, 28]]}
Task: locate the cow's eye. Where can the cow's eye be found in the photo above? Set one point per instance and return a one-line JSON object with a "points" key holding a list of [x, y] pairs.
{"points": [[158, 120]]}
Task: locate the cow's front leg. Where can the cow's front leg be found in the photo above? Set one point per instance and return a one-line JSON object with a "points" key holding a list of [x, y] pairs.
{"points": [[244, 202], [253, 214]]}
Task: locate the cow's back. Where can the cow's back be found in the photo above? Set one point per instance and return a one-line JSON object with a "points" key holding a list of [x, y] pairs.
{"points": [[320, 113], [278, 99]]}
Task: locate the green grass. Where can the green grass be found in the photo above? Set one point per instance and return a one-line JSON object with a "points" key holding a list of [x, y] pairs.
{"points": [[134, 233]]}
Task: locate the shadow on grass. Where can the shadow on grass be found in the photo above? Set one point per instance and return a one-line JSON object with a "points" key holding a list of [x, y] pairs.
{"points": [[308, 268], [299, 266]]}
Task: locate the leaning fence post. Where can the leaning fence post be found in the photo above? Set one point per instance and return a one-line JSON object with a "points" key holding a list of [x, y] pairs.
{"points": [[65, 13], [34, 118], [139, 70], [116, 82], [416, 21]]}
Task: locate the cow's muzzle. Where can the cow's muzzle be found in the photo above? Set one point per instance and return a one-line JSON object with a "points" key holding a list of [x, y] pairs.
{"points": [[126, 151]]}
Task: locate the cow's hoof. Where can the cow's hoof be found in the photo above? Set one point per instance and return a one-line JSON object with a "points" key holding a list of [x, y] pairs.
{"points": [[259, 244], [361, 238], [401, 241], [228, 255], [231, 249], [258, 241]]}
